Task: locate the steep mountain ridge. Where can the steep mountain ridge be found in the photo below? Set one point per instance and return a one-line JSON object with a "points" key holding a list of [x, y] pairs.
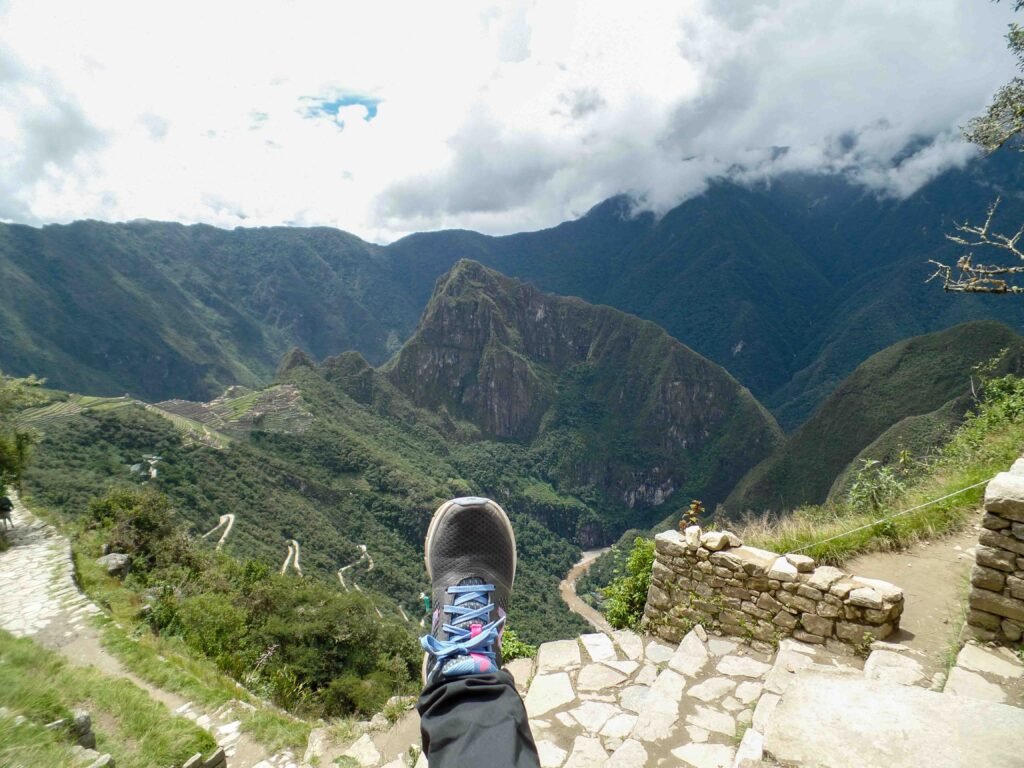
{"points": [[788, 285], [901, 397], [654, 417]]}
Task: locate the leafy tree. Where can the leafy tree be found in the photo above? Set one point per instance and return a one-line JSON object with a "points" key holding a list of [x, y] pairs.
{"points": [[15, 442], [1001, 124]]}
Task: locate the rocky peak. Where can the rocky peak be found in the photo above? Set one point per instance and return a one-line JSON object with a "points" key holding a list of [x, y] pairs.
{"points": [[519, 363]]}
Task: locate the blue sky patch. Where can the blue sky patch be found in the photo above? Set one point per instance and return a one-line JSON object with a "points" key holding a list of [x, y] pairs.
{"points": [[318, 105]]}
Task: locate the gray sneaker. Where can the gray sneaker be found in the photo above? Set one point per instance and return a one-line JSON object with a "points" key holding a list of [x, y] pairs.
{"points": [[471, 561]]}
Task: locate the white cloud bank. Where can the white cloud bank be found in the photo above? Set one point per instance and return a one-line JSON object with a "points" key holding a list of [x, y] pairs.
{"points": [[388, 117]]}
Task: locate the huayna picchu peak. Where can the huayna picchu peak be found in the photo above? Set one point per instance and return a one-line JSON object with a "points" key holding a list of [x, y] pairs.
{"points": [[647, 416]]}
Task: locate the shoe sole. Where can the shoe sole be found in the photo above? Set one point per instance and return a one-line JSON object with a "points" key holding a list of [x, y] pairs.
{"points": [[444, 509]]}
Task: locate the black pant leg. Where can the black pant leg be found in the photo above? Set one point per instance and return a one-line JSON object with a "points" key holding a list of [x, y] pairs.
{"points": [[477, 721]]}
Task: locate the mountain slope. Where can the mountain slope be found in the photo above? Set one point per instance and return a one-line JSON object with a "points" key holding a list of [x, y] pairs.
{"points": [[788, 285], [645, 414], [164, 310], [912, 378]]}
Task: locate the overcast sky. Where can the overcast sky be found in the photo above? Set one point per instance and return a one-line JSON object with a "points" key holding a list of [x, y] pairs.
{"points": [[383, 118]]}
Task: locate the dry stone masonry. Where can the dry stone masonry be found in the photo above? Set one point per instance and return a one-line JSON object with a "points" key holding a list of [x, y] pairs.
{"points": [[997, 581], [710, 578]]}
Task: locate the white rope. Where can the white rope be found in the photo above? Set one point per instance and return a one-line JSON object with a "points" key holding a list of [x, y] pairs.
{"points": [[890, 517]]}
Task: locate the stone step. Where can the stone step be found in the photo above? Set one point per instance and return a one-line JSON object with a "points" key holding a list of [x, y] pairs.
{"points": [[843, 721]]}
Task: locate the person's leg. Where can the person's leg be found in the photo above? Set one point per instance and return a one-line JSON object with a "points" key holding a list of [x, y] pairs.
{"points": [[470, 712], [477, 720]]}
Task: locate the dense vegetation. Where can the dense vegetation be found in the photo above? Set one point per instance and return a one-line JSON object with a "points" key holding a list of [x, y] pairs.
{"points": [[869, 516], [904, 398], [788, 286], [306, 646], [354, 477]]}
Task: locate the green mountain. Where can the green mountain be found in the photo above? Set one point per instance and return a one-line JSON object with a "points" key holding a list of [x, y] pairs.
{"points": [[165, 310], [619, 405], [789, 286], [906, 396], [581, 420]]}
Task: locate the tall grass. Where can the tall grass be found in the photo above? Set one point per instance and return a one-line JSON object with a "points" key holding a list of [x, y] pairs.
{"points": [[136, 730], [987, 443]]}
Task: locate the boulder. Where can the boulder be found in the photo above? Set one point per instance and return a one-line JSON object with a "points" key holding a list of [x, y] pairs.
{"points": [[116, 563]]}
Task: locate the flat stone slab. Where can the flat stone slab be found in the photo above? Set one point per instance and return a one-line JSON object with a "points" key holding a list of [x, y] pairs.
{"points": [[558, 656], [893, 668], [633, 697], [627, 667], [587, 753], [647, 675], [596, 677], [521, 670], [705, 755], [630, 755], [972, 685], [748, 692], [787, 664], [551, 755], [719, 646], [690, 657], [742, 666], [661, 710], [841, 721], [592, 715], [712, 689], [712, 720], [631, 643], [363, 751], [979, 659], [659, 653], [599, 646], [548, 692], [619, 726]]}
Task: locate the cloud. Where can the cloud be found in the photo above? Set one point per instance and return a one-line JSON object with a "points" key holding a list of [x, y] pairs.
{"points": [[395, 116]]}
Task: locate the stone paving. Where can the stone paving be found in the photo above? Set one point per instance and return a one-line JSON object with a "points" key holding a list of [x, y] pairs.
{"points": [[39, 595], [40, 600], [623, 700]]}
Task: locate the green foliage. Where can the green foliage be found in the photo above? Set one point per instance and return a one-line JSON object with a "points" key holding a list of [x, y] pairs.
{"points": [[513, 648], [299, 642], [15, 441], [875, 486], [915, 377], [627, 595], [987, 442]]}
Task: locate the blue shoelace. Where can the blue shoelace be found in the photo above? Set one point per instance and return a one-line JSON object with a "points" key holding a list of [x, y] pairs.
{"points": [[461, 639]]}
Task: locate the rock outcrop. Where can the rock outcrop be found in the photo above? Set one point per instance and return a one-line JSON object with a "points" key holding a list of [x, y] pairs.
{"points": [[647, 415]]}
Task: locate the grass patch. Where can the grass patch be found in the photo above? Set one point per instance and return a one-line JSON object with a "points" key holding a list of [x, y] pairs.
{"points": [[985, 445], [134, 729]]}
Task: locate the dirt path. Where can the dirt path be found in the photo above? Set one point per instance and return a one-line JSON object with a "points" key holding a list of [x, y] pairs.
{"points": [[41, 600], [934, 576], [567, 589]]}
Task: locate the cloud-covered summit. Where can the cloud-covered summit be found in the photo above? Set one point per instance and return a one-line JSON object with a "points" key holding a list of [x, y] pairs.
{"points": [[391, 117]]}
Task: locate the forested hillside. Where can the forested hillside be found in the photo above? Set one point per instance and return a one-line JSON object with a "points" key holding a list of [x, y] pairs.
{"points": [[906, 397], [788, 286]]}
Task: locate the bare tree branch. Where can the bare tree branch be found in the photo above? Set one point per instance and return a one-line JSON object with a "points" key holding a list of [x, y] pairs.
{"points": [[967, 276]]}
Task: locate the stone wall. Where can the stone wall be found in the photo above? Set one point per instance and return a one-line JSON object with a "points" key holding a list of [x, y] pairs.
{"points": [[712, 579], [997, 582]]}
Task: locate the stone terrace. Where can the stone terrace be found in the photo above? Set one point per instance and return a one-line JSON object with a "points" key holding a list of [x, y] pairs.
{"points": [[712, 579]]}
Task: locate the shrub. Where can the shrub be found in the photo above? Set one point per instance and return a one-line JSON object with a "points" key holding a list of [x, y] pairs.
{"points": [[514, 648], [627, 595]]}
